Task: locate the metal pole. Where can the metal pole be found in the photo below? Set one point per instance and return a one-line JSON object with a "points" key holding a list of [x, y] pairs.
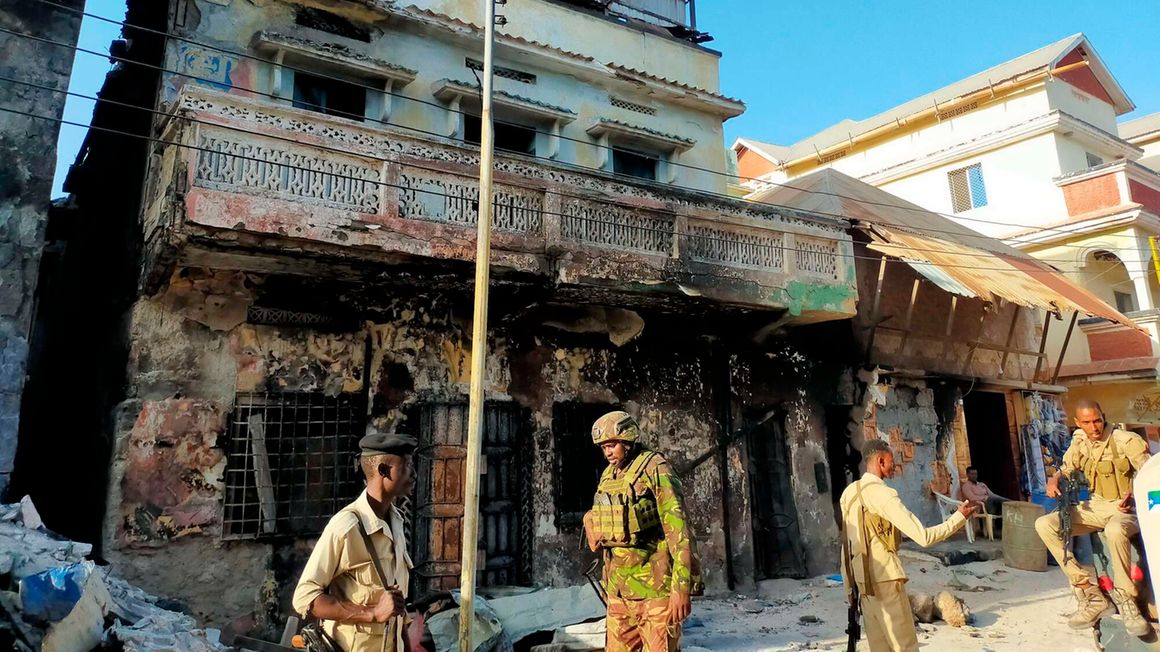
{"points": [[478, 345]]}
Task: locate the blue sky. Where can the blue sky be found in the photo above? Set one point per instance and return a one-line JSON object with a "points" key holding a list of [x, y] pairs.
{"points": [[802, 66]]}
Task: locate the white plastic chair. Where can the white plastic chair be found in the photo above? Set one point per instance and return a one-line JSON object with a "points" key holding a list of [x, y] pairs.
{"points": [[948, 506]]}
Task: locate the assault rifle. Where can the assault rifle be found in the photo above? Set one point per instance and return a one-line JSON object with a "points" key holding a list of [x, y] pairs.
{"points": [[853, 610], [1069, 490]]}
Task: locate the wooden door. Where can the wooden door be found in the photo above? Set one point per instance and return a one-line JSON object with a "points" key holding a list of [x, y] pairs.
{"points": [[441, 463]]}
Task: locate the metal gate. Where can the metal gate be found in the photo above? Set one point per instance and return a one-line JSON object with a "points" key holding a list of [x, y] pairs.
{"points": [[504, 497], [776, 535]]}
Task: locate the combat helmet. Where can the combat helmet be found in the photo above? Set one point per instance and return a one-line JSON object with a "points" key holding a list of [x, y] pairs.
{"points": [[615, 426]]}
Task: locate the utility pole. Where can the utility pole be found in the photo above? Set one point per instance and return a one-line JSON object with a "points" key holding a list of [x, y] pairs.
{"points": [[478, 342]]}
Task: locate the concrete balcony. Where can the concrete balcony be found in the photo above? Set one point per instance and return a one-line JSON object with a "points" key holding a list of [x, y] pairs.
{"points": [[259, 186], [1105, 190]]}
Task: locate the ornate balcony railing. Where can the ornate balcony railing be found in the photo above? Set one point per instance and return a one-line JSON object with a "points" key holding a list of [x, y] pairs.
{"points": [[232, 167]]}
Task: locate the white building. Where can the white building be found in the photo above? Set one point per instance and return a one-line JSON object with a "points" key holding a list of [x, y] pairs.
{"points": [[1028, 151]]}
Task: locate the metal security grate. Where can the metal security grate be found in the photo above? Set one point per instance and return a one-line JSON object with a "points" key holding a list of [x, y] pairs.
{"points": [[291, 462], [967, 188]]}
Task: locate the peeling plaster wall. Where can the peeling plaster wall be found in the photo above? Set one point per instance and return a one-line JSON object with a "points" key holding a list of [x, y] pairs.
{"points": [[919, 421], [189, 355], [28, 149]]}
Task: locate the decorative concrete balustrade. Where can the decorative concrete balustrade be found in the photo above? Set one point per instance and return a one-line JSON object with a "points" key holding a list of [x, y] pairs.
{"points": [[232, 171]]}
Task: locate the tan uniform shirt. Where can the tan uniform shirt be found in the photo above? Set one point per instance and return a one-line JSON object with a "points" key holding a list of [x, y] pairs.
{"points": [[878, 499], [1129, 445], [341, 567]]}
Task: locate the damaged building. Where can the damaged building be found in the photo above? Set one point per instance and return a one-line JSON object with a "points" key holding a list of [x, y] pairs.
{"points": [[294, 215], [950, 339]]}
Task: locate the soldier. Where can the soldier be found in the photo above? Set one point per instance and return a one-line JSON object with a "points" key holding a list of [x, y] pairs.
{"points": [[1109, 461], [356, 578], [872, 517], [638, 523]]}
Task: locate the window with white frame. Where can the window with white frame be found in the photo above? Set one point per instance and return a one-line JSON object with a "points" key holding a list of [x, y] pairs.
{"points": [[967, 188]]}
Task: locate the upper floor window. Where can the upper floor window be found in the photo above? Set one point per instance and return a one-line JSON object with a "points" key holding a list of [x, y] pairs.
{"points": [[1125, 302], [634, 164], [967, 188], [508, 137], [330, 96], [1093, 160]]}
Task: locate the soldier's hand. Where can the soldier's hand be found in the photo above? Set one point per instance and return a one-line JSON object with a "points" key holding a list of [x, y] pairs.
{"points": [[1128, 504], [390, 604], [968, 508], [590, 531], [680, 606], [1053, 486]]}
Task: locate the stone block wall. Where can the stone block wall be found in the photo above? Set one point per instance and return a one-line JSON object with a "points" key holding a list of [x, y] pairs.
{"points": [[27, 149]]}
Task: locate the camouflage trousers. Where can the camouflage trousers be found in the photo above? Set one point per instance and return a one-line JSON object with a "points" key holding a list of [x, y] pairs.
{"points": [[641, 626]]}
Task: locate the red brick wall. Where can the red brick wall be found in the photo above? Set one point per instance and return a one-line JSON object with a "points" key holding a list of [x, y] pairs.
{"points": [[751, 165], [1083, 78], [1091, 194], [1149, 198], [1116, 345]]}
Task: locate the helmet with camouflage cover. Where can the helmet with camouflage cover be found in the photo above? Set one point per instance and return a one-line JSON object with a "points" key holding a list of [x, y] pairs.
{"points": [[615, 426]]}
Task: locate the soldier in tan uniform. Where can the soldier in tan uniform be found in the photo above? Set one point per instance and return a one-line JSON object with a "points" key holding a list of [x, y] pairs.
{"points": [[341, 585], [1109, 461], [873, 520]]}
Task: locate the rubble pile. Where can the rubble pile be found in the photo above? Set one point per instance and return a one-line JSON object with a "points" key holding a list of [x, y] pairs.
{"points": [[53, 598]]}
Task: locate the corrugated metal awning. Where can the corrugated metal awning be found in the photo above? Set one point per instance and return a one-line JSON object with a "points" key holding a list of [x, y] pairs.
{"points": [[990, 275]]}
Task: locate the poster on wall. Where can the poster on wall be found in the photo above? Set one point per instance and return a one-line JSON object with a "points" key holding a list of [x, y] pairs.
{"points": [[1045, 438]]}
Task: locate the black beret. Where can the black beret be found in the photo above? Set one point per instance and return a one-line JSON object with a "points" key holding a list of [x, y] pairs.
{"points": [[379, 443]]}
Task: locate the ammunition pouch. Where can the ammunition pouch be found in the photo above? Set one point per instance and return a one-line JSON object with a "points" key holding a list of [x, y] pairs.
{"points": [[621, 518]]}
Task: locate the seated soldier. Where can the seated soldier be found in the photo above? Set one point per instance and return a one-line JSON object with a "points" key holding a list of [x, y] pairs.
{"points": [[1109, 459]]}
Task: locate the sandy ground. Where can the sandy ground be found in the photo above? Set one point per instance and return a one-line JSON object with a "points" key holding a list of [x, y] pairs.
{"points": [[1013, 610]]}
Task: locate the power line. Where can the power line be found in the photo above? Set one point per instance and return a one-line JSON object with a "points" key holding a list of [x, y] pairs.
{"points": [[542, 212], [344, 152], [1018, 239]]}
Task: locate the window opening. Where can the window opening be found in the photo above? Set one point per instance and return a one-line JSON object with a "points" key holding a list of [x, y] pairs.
{"points": [[291, 462], [508, 137], [634, 164], [329, 96], [1125, 302], [967, 188], [1093, 160], [325, 21], [579, 462]]}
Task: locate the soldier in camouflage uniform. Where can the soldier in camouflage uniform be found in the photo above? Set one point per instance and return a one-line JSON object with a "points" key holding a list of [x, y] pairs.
{"points": [[638, 523]]}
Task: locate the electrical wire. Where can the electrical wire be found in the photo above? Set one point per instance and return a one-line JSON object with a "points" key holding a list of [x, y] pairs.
{"points": [[1017, 239], [667, 233], [386, 160]]}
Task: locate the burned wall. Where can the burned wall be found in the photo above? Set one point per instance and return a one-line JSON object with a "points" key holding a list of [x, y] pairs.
{"points": [[196, 351], [925, 342], [923, 422], [28, 148]]}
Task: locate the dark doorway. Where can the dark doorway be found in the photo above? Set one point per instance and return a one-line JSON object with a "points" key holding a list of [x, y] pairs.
{"points": [[776, 535], [989, 436], [504, 497]]}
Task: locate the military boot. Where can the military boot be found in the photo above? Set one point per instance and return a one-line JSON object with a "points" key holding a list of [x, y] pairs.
{"points": [[1093, 605], [1134, 622]]}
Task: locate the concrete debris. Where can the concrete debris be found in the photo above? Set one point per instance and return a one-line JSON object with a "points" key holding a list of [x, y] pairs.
{"points": [[582, 637], [502, 622], [65, 601]]}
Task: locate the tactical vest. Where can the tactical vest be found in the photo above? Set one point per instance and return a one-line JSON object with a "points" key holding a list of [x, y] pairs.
{"points": [[1110, 479], [620, 516]]}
